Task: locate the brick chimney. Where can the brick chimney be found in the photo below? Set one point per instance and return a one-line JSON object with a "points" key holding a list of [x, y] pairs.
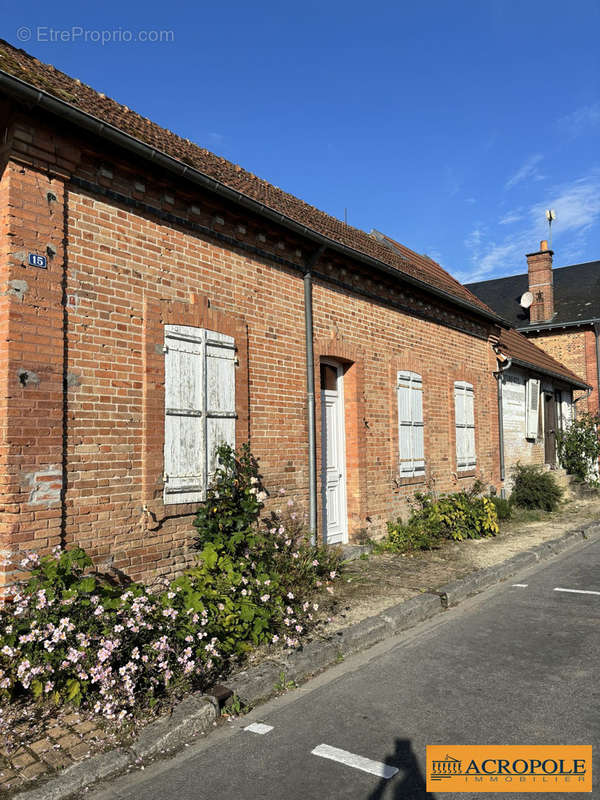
{"points": [[541, 284]]}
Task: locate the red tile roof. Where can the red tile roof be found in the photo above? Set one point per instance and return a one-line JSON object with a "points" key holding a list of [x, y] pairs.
{"points": [[522, 349], [20, 64]]}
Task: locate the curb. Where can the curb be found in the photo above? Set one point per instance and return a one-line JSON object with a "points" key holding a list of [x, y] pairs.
{"points": [[198, 713]]}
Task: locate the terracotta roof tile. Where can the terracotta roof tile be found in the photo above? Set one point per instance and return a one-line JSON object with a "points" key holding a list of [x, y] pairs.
{"points": [[21, 65], [519, 347]]}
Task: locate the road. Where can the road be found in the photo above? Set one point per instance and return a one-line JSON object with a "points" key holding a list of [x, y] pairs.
{"points": [[518, 664]]}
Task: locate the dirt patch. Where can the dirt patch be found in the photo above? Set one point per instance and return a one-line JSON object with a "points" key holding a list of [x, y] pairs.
{"points": [[380, 581]]}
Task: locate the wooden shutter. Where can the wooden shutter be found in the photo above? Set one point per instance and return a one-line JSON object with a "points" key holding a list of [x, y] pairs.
{"points": [[410, 424], [199, 408], [567, 409], [464, 414], [185, 475], [533, 408], [220, 396]]}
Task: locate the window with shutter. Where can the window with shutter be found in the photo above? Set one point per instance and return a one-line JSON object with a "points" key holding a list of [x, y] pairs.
{"points": [[533, 409], [567, 409], [199, 408], [411, 448], [464, 416]]}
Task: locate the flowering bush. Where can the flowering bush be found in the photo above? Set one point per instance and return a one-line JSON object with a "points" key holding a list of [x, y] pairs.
{"points": [[579, 447], [70, 635]]}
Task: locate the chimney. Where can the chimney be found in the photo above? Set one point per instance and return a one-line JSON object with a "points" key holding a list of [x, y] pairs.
{"points": [[541, 284]]}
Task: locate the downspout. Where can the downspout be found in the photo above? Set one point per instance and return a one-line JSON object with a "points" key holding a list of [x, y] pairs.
{"points": [[597, 335], [498, 375], [310, 393]]}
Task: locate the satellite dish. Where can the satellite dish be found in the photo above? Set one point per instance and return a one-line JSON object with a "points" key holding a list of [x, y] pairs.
{"points": [[526, 300]]}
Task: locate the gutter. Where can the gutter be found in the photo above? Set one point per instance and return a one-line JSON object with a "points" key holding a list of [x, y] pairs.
{"points": [[29, 94], [551, 325]]}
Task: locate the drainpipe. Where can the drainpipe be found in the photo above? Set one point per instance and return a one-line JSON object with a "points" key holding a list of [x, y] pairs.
{"points": [[310, 393], [597, 335], [498, 375]]}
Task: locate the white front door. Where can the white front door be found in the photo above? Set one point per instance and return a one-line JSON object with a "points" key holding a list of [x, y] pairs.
{"points": [[333, 455]]}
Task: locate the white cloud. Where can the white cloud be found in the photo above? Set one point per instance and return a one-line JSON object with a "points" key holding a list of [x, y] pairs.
{"points": [[510, 217], [577, 206], [527, 171], [580, 120]]}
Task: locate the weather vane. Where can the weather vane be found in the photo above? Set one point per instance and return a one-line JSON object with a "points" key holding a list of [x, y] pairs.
{"points": [[550, 216]]}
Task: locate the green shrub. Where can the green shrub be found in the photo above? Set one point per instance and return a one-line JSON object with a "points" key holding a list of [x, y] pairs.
{"points": [[234, 501], [535, 487], [579, 447], [402, 538], [458, 516], [502, 506], [70, 635]]}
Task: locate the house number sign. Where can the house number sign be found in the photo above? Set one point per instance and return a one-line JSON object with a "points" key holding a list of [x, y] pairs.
{"points": [[36, 260]]}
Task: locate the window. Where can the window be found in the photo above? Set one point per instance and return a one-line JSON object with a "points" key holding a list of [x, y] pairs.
{"points": [[410, 424], [199, 408], [464, 416], [532, 421]]}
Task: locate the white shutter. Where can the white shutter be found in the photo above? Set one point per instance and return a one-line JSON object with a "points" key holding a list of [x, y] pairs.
{"points": [[220, 396], [184, 411], [199, 408], [567, 409], [464, 417], [533, 408], [410, 424]]}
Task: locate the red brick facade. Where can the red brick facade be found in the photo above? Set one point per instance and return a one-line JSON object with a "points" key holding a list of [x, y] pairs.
{"points": [[576, 349], [129, 251]]}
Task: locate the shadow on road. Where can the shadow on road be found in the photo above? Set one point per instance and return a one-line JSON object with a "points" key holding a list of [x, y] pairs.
{"points": [[409, 784]]}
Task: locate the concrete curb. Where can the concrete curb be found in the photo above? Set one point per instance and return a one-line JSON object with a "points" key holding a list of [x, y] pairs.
{"points": [[197, 714]]}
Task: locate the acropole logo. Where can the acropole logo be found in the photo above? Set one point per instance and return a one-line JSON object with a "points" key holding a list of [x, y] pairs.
{"points": [[509, 768]]}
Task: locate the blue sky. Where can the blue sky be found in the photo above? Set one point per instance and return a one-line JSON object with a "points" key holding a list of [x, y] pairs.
{"points": [[450, 126]]}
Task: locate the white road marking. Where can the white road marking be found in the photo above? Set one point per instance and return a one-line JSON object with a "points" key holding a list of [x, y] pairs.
{"points": [[521, 585], [352, 760], [259, 727], [576, 591]]}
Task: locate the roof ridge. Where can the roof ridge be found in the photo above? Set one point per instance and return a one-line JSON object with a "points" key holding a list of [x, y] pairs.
{"points": [[19, 64]]}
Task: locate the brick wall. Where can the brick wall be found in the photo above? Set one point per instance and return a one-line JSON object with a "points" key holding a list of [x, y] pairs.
{"points": [[576, 349], [140, 251]]}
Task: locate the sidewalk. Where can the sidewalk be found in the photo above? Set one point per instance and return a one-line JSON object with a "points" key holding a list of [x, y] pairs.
{"points": [[380, 595]]}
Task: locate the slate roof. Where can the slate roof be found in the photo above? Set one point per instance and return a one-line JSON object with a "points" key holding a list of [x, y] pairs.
{"points": [[576, 295], [19, 64]]}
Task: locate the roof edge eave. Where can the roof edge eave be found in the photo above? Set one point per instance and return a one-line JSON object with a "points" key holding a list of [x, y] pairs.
{"points": [[32, 94], [545, 326], [543, 371]]}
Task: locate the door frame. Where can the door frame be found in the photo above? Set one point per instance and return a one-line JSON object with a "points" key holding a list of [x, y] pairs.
{"points": [[341, 432], [550, 418]]}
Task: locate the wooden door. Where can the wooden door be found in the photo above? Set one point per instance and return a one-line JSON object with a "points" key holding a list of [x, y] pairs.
{"points": [[333, 455], [549, 429]]}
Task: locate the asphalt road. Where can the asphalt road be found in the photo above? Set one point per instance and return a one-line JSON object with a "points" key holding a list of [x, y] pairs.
{"points": [[515, 665]]}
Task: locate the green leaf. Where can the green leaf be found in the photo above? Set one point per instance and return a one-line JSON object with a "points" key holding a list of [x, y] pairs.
{"points": [[87, 585], [73, 689]]}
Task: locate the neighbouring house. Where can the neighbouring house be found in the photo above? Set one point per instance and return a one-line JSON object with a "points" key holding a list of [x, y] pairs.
{"points": [[558, 309], [158, 300], [534, 403]]}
